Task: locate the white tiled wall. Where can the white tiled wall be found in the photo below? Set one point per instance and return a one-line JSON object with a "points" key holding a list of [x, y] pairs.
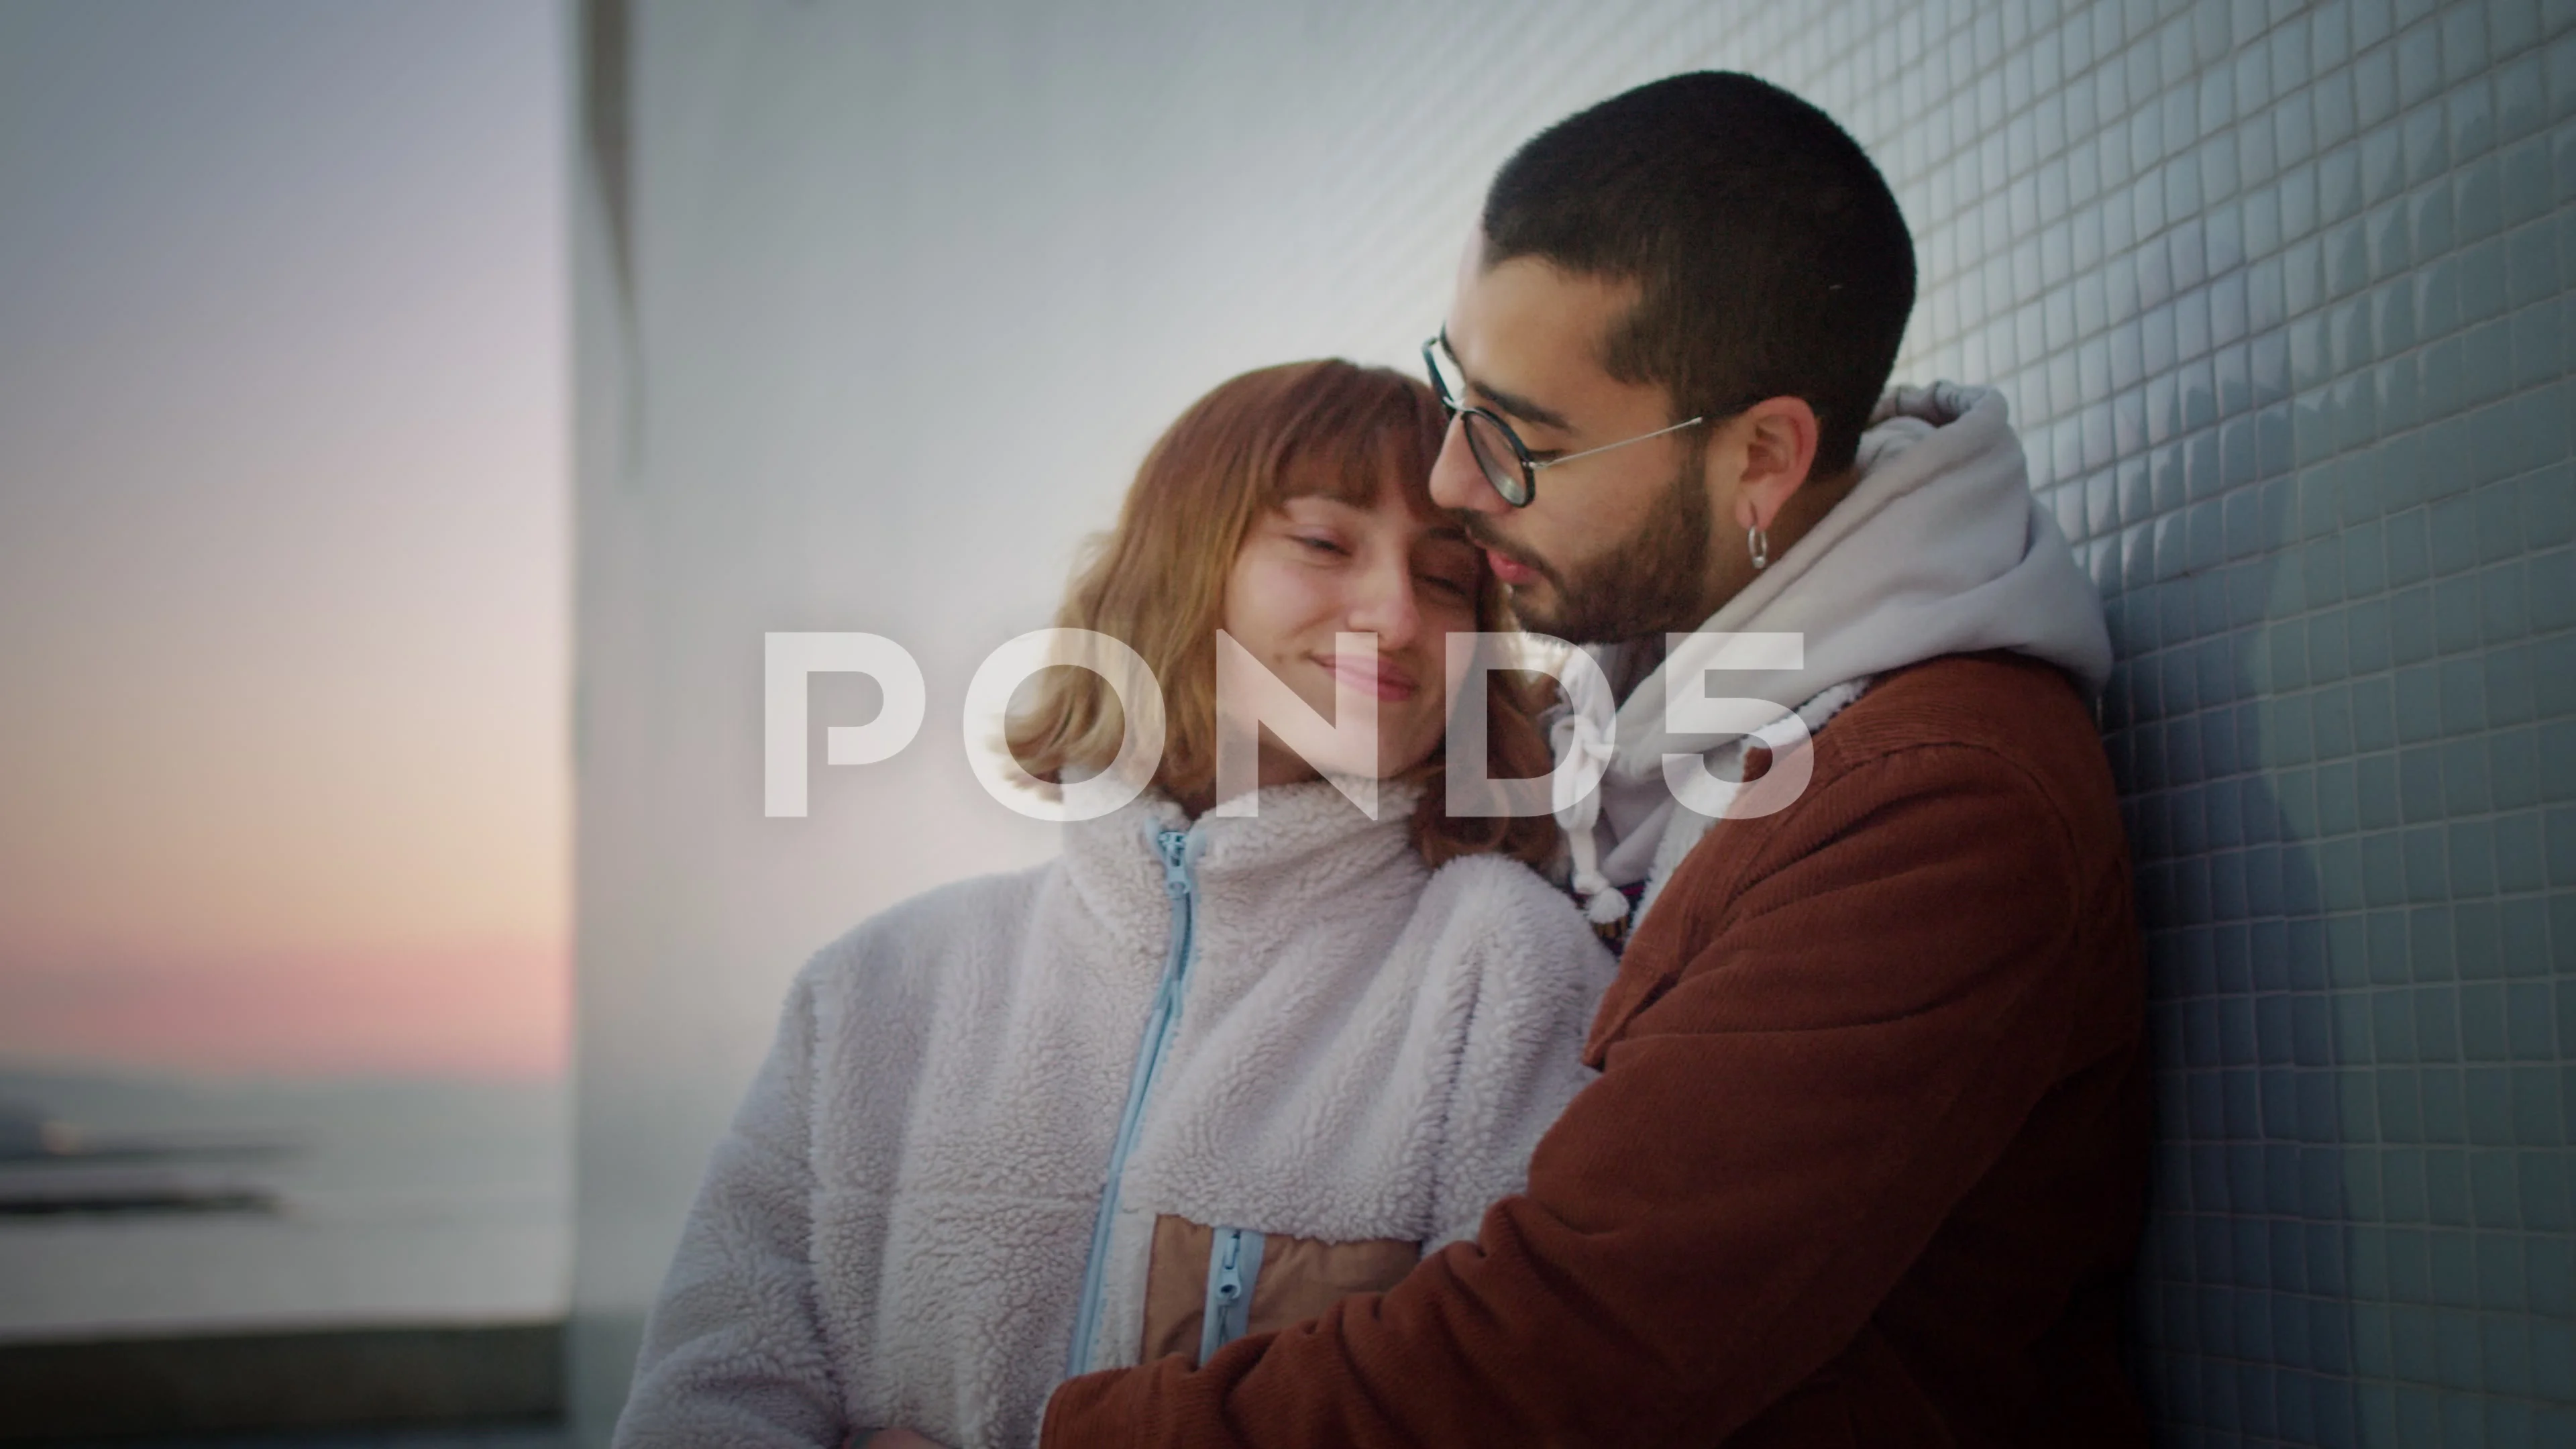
{"points": [[2277, 294]]}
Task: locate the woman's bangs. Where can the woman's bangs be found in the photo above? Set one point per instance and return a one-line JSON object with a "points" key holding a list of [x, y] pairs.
{"points": [[1349, 459]]}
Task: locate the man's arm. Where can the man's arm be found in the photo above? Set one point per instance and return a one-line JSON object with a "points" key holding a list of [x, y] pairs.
{"points": [[1837, 1028]]}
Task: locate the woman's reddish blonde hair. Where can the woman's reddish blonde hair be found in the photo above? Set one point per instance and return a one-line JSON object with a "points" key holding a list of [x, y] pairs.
{"points": [[1157, 581]]}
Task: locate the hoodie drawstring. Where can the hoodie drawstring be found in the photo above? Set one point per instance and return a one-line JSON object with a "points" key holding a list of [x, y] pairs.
{"points": [[1586, 731]]}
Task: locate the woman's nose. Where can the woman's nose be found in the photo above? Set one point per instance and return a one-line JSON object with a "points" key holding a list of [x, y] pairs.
{"points": [[1386, 605]]}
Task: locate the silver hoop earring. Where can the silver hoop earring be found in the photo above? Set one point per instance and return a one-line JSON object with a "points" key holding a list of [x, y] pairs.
{"points": [[1758, 544]]}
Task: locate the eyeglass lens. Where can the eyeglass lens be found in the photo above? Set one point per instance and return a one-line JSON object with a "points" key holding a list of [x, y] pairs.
{"points": [[1496, 456], [1497, 453]]}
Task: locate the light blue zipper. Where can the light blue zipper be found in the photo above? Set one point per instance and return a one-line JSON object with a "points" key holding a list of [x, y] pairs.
{"points": [[1234, 1262], [1161, 1025]]}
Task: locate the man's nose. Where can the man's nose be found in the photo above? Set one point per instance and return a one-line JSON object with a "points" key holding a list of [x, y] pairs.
{"points": [[1456, 481]]}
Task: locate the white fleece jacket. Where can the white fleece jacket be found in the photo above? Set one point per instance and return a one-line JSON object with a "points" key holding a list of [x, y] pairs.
{"points": [[1939, 549], [895, 1229]]}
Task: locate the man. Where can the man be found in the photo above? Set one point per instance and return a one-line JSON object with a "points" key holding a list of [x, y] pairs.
{"points": [[1865, 1160]]}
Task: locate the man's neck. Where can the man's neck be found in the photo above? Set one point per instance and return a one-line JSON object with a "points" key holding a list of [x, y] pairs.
{"points": [[1630, 662], [1808, 506]]}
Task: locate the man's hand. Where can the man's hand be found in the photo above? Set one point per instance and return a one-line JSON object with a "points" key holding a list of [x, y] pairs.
{"points": [[898, 1439]]}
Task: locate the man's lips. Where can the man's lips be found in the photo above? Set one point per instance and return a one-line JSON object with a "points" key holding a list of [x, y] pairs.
{"points": [[1389, 682], [1510, 570], [1507, 567]]}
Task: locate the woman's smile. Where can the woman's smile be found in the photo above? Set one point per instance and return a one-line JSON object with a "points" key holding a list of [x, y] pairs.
{"points": [[1319, 568], [1370, 674]]}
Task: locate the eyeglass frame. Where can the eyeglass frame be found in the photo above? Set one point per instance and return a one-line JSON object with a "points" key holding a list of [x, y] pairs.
{"points": [[1530, 466]]}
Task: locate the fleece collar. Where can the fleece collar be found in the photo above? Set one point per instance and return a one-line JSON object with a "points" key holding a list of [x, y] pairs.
{"points": [[1306, 835]]}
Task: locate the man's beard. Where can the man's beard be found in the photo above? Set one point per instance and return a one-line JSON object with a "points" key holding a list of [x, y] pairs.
{"points": [[1652, 582]]}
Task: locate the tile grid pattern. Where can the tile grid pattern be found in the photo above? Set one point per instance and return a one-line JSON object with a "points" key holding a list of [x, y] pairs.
{"points": [[2278, 294]]}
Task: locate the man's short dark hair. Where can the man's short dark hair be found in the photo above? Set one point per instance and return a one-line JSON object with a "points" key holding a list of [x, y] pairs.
{"points": [[1771, 258]]}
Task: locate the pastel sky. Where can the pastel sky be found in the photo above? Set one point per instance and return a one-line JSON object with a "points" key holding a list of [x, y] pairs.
{"points": [[283, 535]]}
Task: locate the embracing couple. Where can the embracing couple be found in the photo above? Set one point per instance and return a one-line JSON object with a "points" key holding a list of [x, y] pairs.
{"points": [[1307, 1128]]}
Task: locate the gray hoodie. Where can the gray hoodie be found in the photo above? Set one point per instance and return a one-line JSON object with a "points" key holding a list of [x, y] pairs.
{"points": [[1940, 549]]}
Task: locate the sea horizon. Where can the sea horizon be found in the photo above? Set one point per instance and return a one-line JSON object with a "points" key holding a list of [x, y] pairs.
{"points": [[338, 1200]]}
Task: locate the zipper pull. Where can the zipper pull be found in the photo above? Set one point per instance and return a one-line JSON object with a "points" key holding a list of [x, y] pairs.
{"points": [[1175, 845], [1229, 1282], [1234, 1263]]}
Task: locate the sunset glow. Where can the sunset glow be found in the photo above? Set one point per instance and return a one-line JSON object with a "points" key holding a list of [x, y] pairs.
{"points": [[283, 568]]}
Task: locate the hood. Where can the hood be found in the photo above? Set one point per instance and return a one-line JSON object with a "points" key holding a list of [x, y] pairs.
{"points": [[1940, 549]]}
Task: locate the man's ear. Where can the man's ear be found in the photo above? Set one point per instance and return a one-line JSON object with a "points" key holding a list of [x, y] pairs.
{"points": [[1779, 442]]}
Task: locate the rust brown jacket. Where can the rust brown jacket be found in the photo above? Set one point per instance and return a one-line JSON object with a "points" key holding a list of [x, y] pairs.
{"points": [[1865, 1164]]}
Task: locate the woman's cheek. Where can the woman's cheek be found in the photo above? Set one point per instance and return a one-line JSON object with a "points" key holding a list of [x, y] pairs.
{"points": [[1454, 663]]}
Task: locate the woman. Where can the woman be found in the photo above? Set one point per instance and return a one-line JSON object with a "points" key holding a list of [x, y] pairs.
{"points": [[960, 1177]]}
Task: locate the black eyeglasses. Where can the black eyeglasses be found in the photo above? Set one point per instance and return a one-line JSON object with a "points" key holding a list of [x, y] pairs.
{"points": [[1500, 454]]}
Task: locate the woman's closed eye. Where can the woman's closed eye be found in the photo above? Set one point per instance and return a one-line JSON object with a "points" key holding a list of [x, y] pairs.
{"points": [[1321, 544]]}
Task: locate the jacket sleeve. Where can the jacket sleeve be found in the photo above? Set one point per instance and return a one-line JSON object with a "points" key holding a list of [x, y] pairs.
{"points": [[1866, 996], [1534, 970], [734, 1351]]}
